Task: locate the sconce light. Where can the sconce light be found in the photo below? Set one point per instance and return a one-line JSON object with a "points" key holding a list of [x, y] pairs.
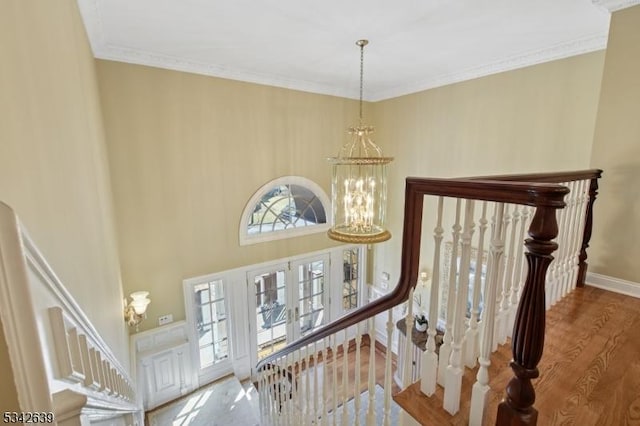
{"points": [[136, 310]]}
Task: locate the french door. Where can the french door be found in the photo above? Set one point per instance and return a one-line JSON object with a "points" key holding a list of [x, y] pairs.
{"points": [[287, 301], [209, 319]]}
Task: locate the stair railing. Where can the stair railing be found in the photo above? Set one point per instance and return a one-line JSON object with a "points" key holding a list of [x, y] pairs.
{"points": [[328, 389]]}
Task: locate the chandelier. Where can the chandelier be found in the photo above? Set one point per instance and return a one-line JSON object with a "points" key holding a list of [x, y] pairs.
{"points": [[359, 184]]}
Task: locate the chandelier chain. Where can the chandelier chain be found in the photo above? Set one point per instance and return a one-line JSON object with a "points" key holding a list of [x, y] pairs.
{"points": [[361, 43]]}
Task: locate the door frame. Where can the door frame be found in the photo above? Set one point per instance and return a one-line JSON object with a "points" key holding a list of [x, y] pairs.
{"points": [[226, 367]]}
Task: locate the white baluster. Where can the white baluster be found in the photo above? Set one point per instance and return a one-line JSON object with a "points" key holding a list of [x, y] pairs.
{"points": [[284, 397], [268, 400], [268, 395], [505, 308], [503, 286], [481, 388], [408, 343], [429, 362], [453, 385], [569, 237], [517, 274], [582, 214], [325, 386], [561, 252], [291, 403], [315, 383], [334, 362], [357, 374], [387, 370], [371, 413], [472, 339], [345, 378], [408, 351], [445, 349], [500, 269], [307, 389]]}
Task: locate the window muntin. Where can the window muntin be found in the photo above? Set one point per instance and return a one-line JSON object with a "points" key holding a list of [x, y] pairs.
{"points": [[284, 208], [211, 323], [350, 281]]}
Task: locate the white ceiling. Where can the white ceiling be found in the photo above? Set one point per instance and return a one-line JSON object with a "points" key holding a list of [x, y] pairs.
{"points": [[310, 45]]}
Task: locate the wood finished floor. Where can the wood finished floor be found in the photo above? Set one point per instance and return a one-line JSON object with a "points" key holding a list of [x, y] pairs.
{"points": [[589, 372], [342, 394]]}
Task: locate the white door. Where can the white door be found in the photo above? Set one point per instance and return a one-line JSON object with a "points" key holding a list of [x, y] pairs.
{"points": [[290, 300], [309, 295], [207, 314], [270, 305]]}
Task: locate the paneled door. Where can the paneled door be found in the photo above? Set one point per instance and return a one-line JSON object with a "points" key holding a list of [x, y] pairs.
{"points": [[290, 300]]}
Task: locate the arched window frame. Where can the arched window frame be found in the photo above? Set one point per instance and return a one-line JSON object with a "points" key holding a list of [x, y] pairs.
{"points": [[247, 239]]}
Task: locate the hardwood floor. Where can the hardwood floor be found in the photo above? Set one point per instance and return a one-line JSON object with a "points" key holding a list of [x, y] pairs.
{"points": [[589, 372], [363, 367]]}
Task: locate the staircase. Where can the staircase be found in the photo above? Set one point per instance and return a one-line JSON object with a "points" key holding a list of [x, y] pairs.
{"points": [[490, 244]]}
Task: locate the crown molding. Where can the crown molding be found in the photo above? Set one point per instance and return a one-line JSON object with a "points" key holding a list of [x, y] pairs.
{"points": [[615, 5], [132, 56], [580, 46], [92, 17], [572, 48]]}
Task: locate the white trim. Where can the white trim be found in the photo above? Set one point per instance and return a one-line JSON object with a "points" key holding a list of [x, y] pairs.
{"points": [[590, 43], [92, 19], [246, 239], [216, 370], [18, 319], [615, 5], [29, 291], [617, 285]]}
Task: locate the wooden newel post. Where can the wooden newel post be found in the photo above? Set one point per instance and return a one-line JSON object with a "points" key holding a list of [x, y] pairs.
{"points": [[528, 331], [586, 236]]}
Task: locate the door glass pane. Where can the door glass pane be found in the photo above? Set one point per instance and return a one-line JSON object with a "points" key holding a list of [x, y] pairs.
{"points": [[211, 323], [350, 279], [271, 312], [204, 313], [206, 356], [310, 296]]}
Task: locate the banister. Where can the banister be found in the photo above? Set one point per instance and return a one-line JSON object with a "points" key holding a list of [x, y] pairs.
{"points": [[531, 194], [550, 177]]}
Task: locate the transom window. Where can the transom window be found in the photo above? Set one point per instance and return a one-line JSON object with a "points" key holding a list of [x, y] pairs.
{"points": [[283, 208]]}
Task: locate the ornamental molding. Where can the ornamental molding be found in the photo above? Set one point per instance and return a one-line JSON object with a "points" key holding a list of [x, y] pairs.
{"points": [[615, 5], [92, 17]]}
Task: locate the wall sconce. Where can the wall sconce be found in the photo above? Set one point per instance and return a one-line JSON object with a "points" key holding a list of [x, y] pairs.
{"points": [[136, 310]]}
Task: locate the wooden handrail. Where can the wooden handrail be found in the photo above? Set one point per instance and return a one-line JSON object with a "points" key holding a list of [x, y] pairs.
{"points": [[552, 177], [549, 196], [558, 177]]}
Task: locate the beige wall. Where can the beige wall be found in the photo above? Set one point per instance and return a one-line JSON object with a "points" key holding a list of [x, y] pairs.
{"points": [[539, 118], [186, 154], [615, 246], [53, 168]]}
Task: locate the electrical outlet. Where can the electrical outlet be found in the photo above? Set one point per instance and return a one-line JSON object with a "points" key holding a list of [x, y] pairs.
{"points": [[165, 319]]}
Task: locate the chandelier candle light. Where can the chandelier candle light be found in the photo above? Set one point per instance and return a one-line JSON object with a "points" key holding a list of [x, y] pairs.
{"points": [[359, 184]]}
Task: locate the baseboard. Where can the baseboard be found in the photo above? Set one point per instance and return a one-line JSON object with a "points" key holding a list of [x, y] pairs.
{"points": [[617, 285]]}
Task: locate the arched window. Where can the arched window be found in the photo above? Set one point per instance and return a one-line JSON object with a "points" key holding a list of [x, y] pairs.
{"points": [[285, 207]]}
